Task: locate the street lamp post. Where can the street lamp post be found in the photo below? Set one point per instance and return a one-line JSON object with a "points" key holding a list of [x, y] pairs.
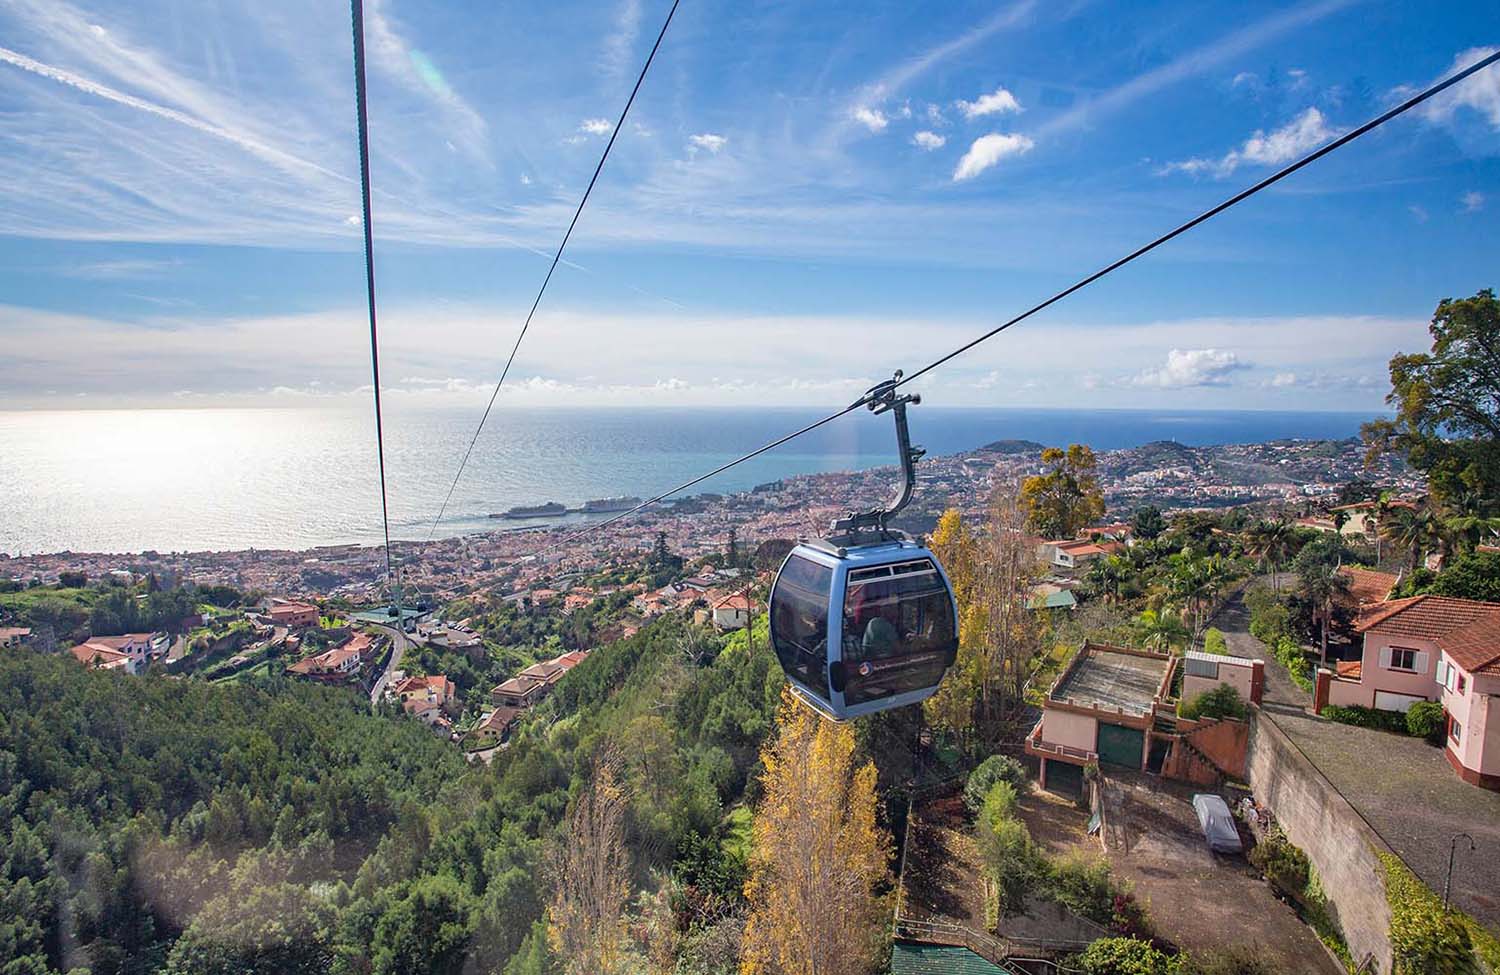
{"points": [[1452, 849]]}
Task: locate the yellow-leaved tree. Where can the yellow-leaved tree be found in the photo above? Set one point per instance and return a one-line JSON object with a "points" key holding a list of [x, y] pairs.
{"points": [[998, 636], [819, 857], [589, 868], [1066, 495]]}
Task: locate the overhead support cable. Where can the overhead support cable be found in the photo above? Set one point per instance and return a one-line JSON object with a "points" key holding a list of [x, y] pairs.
{"points": [[361, 103], [1079, 285], [614, 134]]}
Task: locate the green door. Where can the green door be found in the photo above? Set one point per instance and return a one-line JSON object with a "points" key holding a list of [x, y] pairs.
{"points": [[1064, 779], [1119, 745]]}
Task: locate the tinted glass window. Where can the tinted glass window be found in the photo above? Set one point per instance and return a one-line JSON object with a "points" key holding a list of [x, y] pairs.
{"points": [[898, 630], [799, 621]]}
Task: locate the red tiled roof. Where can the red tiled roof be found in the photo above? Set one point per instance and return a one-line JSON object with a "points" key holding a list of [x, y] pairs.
{"points": [[498, 719], [1466, 630], [116, 642], [96, 654], [1369, 586], [1476, 647], [1350, 669], [1426, 617]]}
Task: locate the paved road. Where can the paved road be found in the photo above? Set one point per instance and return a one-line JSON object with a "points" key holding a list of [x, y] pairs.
{"points": [[1234, 621], [398, 647]]}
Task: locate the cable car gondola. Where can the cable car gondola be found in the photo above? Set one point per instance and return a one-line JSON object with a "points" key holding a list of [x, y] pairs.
{"points": [[864, 620]]}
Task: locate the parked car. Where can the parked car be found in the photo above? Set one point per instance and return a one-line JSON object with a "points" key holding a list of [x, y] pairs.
{"points": [[1217, 824]]}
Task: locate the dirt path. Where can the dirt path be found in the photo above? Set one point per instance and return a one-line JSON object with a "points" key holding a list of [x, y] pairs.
{"points": [[942, 867], [1200, 899]]}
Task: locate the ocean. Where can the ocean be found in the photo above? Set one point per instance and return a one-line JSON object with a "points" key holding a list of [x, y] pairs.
{"points": [[190, 480]]}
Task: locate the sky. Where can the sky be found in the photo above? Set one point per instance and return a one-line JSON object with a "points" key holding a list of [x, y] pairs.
{"points": [[804, 198]]}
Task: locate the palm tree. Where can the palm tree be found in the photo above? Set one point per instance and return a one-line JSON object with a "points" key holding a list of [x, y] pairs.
{"points": [[1323, 585], [1466, 520], [1272, 542], [1192, 583], [1107, 577], [1159, 630], [1412, 527]]}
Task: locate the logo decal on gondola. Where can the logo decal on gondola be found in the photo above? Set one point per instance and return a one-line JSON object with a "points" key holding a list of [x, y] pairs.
{"points": [[868, 667]]}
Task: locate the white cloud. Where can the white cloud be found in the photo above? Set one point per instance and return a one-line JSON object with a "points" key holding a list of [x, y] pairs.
{"points": [[988, 150], [871, 118], [928, 140], [1479, 92], [707, 141], [1284, 379], [121, 269], [998, 102], [1245, 78], [596, 126], [935, 116], [1305, 132], [1191, 367], [1418, 212], [1473, 201]]}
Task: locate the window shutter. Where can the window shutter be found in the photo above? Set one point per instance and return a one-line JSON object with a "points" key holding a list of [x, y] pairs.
{"points": [[1385, 657], [1419, 661], [1441, 674]]}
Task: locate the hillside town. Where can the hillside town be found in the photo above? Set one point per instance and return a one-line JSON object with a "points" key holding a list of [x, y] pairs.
{"points": [[1225, 644]]}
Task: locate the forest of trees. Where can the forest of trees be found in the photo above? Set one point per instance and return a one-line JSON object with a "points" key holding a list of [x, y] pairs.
{"points": [[166, 825]]}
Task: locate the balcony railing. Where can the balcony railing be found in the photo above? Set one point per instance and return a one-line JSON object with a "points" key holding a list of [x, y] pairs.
{"points": [[1045, 749]]}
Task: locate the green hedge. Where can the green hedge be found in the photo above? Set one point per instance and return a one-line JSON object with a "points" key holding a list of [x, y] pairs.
{"points": [[1367, 717], [1422, 720], [1214, 642], [1424, 937], [1289, 652]]}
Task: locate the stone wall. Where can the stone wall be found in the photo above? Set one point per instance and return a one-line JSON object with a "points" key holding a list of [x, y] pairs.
{"points": [[1338, 842]]}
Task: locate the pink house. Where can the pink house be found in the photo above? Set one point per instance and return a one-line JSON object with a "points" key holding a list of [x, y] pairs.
{"points": [[1430, 648], [1469, 673]]}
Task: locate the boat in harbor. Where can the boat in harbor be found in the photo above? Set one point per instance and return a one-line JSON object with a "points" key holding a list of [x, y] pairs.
{"points": [[607, 505], [533, 511]]}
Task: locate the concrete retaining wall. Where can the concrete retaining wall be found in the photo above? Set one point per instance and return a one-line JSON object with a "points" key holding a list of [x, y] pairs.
{"points": [[1341, 845]]}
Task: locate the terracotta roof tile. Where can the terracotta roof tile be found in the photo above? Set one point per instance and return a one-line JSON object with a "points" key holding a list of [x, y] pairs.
{"points": [[1475, 647], [1369, 586]]}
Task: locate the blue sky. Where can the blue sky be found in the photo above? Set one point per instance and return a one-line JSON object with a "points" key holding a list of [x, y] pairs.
{"points": [[805, 198]]}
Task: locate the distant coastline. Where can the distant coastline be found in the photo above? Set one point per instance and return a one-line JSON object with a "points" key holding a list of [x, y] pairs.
{"points": [[220, 480]]}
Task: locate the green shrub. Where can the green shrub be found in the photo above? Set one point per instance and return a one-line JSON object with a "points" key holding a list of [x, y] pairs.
{"points": [[1380, 720], [1126, 956], [1011, 861], [1289, 652], [1219, 702], [996, 768], [1269, 621], [999, 804], [1084, 885], [1425, 720], [1214, 642], [1285, 865], [1424, 937]]}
